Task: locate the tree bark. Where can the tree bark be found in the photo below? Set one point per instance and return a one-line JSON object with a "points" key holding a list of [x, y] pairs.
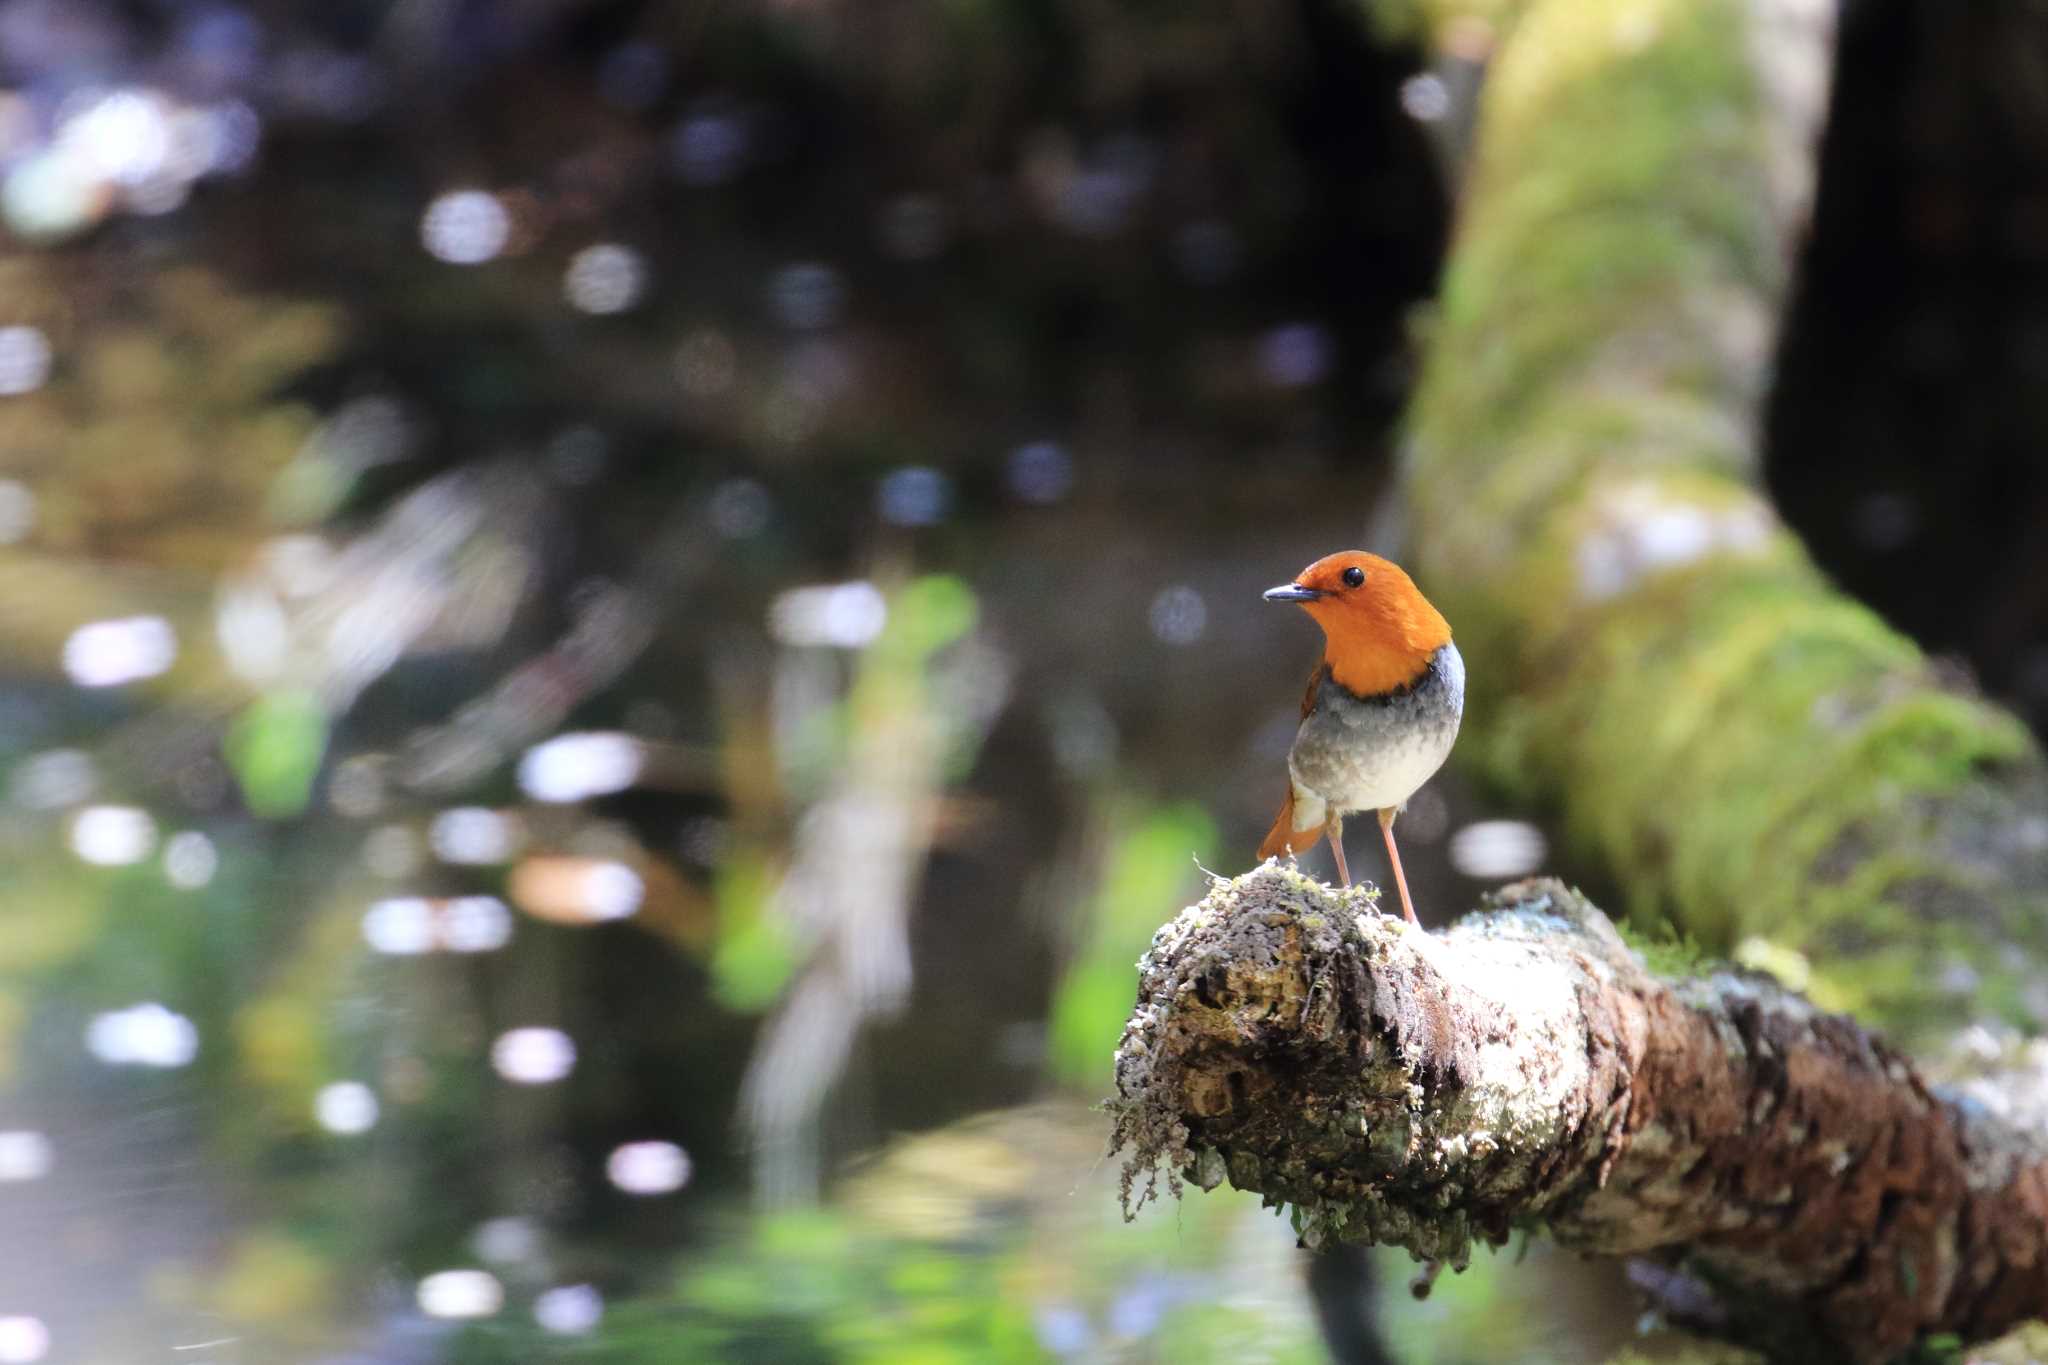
{"points": [[1525, 1068]]}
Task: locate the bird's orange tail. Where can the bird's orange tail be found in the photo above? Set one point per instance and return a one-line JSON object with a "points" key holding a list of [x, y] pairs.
{"points": [[1284, 837]]}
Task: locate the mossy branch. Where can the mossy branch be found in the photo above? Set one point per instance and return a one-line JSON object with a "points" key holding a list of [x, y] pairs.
{"points": [[1525, 1068], [1743, 750]]}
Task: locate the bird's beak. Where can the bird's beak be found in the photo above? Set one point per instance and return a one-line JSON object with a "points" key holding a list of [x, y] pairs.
{"points": [[1292, 592]]}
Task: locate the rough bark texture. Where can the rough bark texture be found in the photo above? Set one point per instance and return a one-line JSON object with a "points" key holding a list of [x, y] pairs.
{"points": [[1654, 659], [1526, 1068]]}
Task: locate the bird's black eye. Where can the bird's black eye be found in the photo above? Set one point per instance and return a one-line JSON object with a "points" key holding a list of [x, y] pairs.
{"points": [[1354, 576]]}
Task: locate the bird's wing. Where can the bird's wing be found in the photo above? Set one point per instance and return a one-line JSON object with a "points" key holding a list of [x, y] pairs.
{"points": [[1284, 838], [1315, 682]]}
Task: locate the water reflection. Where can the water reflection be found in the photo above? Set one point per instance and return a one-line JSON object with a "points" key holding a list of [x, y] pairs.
{"points": [[582, 651]]}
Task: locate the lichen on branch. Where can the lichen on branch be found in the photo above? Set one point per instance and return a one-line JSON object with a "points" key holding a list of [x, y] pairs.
{"points": [[1525, 1068]]}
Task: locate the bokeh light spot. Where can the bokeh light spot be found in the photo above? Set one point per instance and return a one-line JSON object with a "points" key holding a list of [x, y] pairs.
{"points": [[110, 653], [709, 146], [576, 767], [565, 889], [143, 1035], [1425, 97], [113, 836], [1179, 616], [916, 495], [23, 1340], [569, 1310], [472, 836], [1063, 1330], [1295, 356], [533, 1056], [1084, 734], [466, 227], [124, 137], [648, 1168], [237, 133], [49, 195], [1041, 472], [190, 860], [346, 1108], [24, 360], [25, 1155], [740, 509], [1493, 849], [475, 924], [460, 1294], [613, 891], [402, 926], [842, 615], [605, 279]]}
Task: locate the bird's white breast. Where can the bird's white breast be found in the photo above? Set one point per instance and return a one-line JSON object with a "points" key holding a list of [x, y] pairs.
{"points": [[1367, 753]]}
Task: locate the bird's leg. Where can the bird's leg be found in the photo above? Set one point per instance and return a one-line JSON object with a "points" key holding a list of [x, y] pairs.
{"points": [[1337, 847], [1387, 815]]}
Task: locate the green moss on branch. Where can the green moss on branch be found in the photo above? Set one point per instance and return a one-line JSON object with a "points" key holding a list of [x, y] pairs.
{"points": [[1743, 750]]}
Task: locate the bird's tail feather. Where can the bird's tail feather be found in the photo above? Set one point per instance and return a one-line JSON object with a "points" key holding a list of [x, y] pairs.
{"points": [[1284, 838]]}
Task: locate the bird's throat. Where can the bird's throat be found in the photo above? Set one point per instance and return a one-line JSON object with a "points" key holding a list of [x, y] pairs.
{"points": [[1375, 673]]}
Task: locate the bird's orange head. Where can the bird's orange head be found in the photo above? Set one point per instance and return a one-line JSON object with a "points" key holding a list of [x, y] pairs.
{"points": [[1379, 629]]}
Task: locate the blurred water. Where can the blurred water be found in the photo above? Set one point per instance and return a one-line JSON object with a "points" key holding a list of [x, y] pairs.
{"points": [[604, 612]]}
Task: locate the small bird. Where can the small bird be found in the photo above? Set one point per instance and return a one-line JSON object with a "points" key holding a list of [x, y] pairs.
{"points": [[1382, 708]]}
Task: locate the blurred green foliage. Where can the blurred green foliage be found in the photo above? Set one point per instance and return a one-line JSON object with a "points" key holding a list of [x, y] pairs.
{"points": [[755, 954], [274, 747], [1152, 862]]}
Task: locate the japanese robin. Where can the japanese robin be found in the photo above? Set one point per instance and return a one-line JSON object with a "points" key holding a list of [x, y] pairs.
{"points": [[1382, 708]]}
